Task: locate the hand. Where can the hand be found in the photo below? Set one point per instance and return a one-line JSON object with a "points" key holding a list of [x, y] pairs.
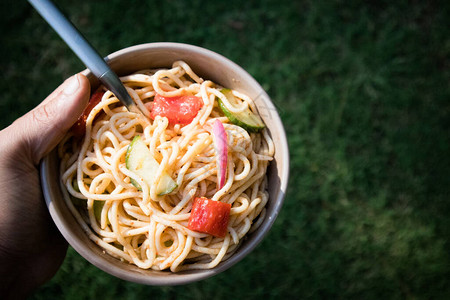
{"points": [[31, 248]]}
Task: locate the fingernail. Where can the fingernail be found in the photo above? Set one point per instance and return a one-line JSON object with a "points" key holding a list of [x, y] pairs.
{"points": [[72, 86]]}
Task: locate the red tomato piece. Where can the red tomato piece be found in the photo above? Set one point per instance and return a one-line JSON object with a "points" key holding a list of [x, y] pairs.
{"points": [[178, 110], [79, 128], [209, 216]]}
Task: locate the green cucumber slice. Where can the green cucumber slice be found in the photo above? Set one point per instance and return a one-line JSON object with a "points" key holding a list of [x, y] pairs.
{"points": [[98, 207], [140, 161], [246, 119]]}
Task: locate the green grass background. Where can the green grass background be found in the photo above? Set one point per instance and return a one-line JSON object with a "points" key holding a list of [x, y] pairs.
{"points": [[362, 88]]}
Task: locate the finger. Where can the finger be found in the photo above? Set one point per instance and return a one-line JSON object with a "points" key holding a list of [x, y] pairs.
{"points": [[59, 89], [43, 127]]}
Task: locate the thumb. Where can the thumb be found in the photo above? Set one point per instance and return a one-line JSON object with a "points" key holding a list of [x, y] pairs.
{"points": [[43, 127]]}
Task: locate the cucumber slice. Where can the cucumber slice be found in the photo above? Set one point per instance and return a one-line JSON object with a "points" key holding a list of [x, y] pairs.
{"points": [[246, 119], [140, 161], [98, 207]]}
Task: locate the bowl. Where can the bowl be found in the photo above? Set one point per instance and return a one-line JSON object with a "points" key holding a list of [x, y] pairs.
{"points": [[208, 65]]}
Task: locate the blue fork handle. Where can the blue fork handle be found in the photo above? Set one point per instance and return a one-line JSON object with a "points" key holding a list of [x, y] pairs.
{"points": [[83, 49]]}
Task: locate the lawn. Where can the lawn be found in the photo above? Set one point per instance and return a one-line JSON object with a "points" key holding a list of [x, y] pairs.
{"points": [[363, 92]]}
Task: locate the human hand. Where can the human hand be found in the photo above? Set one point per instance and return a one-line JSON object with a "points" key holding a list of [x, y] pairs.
{"points": [[31, 248]]}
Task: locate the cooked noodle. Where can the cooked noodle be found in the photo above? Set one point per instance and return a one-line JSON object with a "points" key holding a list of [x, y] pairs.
{"points": [[138, 226]]}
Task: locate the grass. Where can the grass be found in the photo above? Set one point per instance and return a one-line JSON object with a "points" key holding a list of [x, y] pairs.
{"points": [[363, 91]]}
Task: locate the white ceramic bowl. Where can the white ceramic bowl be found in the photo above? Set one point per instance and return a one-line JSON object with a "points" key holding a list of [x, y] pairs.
{"points": [[208, 65]]}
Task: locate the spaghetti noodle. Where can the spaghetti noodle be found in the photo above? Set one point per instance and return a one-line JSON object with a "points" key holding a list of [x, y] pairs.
{"points": [[138, 225]]}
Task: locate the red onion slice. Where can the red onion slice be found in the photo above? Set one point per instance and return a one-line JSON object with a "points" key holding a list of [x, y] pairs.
{"points": [[220, 144]]}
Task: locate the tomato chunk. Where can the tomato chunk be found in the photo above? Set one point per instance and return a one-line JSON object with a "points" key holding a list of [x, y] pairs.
{"points": [[79, 128], [178, 110], [209, 216]]}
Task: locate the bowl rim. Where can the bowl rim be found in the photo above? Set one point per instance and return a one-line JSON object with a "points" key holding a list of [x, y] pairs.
{"points": [[182, 277]]}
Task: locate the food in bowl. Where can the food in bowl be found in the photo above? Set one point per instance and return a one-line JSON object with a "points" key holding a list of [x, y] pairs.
{"points": [[177, 188]]}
